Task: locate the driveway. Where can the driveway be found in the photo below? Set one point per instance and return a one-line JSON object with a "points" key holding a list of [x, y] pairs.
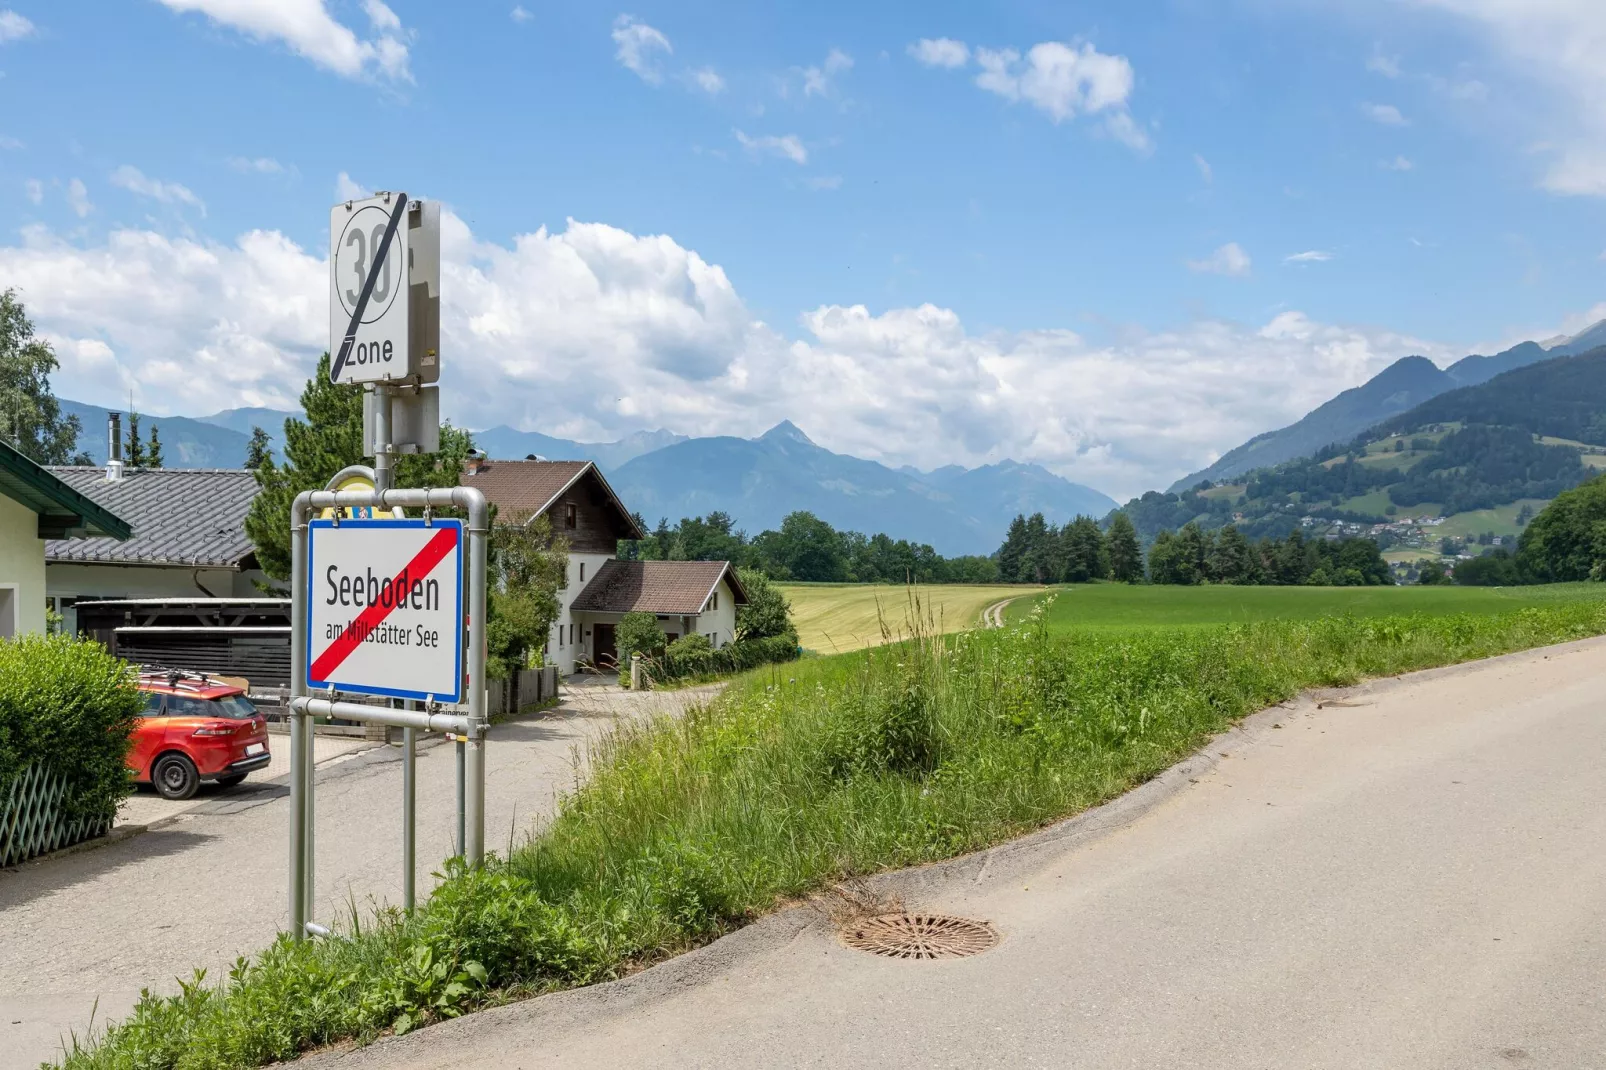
{"points": [[208, 883], [1413, 875]]}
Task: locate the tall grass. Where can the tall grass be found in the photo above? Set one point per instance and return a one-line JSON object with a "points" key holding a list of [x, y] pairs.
{"points": [[799, 776]]}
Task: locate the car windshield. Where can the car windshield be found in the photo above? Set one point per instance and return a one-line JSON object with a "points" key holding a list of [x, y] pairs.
{"points": [[233, 707]]}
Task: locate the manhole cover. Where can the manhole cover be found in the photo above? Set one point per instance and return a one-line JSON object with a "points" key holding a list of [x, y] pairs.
{"points": [[920, 936]]}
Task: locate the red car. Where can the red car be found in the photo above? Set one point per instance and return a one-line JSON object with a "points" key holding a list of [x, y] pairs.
{"points": [[193, 730]]}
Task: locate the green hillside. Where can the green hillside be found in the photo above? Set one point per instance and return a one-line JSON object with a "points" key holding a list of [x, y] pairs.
{"points": [[1460, 473]]}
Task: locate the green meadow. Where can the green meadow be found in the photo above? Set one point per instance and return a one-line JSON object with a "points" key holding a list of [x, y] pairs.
{"points": [[1116, 605]]}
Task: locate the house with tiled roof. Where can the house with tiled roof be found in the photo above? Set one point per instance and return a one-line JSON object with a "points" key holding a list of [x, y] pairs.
{"points": [[188, 538], [687, 597]]}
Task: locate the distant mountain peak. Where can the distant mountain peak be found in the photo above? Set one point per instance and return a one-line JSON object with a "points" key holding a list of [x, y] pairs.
{"points": [[786, 431]]}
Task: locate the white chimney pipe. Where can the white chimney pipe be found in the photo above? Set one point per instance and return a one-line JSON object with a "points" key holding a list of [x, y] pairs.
{"points": [[114, 449]]}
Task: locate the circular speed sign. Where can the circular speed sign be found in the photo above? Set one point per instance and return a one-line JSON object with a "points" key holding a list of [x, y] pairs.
{"points": [[359, 243]]}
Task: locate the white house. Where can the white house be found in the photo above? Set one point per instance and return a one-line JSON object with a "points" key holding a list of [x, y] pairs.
{"points": [[685, 596], [36, 506]]}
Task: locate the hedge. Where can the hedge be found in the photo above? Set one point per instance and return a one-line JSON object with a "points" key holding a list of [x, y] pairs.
{"points": [[732, 658], [69, 706]]}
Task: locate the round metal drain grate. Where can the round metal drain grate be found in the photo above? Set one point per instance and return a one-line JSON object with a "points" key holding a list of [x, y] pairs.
{"points": [[920, 936]]}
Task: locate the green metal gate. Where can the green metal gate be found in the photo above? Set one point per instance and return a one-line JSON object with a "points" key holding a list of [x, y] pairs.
{"points": [[32, 817]]}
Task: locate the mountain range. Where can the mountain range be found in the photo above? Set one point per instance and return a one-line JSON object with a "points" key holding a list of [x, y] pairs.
{"points": [[1400, 387], [758, 481], [662, 474]]}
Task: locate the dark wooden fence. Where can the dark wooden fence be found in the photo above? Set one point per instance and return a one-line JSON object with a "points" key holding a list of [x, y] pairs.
{"points": [[521, 691]]}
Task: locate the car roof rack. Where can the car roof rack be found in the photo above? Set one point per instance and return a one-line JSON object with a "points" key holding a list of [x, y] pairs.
{"points": [[177, 678]]}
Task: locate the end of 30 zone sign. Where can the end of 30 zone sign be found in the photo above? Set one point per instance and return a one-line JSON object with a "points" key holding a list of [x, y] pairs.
{"points": [[385, 607]]}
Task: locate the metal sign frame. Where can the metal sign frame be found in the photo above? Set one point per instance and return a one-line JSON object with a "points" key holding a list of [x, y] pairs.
{"points": [[425, 523], [469, 727]]}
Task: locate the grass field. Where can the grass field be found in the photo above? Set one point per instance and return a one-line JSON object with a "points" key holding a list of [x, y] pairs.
{"points": [[837, 617], [1114, 605]]}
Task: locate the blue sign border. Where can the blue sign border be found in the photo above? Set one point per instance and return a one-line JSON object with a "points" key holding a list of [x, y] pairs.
{"points": [[313, 527]]}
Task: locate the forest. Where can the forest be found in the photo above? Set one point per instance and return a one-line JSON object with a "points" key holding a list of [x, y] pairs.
{"points": [[805, 549]]}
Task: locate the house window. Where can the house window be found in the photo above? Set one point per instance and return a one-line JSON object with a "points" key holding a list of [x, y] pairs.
{"points": [[582, 572], [571, 515], [713, 603]]}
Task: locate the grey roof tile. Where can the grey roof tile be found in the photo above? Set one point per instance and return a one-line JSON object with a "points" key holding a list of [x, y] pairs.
{"points": [[180, 516]]}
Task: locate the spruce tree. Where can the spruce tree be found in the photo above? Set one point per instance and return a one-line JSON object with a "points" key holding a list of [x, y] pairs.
{"points": [[1126, 556], [153, 451], [30, 416], [1013, 550], [133, 449], [1085, 556], [329, 439], [257, 451]]}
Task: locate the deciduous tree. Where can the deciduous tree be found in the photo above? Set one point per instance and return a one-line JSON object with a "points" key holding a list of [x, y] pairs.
{"points": [[31, 421]]}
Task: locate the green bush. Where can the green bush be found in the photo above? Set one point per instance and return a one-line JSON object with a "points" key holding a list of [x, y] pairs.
{"points": [[638, 633], [690, 645], [794, 779], [71, 705], [692, 661]]}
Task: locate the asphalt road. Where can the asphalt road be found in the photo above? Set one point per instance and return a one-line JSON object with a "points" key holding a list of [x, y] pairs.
{"points": [[87, 930], [1412, 876]]}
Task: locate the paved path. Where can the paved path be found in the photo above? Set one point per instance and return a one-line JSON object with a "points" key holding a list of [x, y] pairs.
{"points": [[1413, 878], [209, 885]]}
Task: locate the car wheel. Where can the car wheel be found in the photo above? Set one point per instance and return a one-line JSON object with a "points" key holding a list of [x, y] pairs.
{"points": [[231, 780], [175, 777]]}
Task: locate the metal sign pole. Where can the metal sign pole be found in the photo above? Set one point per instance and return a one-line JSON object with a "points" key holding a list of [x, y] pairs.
{"points": [[409, 818], [479, 535], [300, 726], [303, 707]]}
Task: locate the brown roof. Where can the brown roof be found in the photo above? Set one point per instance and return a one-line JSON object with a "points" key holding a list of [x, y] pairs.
{"points": [[524, 488], [670, 587]]}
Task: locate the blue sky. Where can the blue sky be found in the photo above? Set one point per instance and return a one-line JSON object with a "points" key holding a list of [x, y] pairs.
{"points": [[1113, 238]]}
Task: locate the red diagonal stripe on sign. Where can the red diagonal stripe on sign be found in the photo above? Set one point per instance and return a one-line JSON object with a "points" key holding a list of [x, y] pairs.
{"points": [[433, 553]]}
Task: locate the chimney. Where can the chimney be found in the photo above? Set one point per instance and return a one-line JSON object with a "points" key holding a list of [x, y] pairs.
{"points": [[114, 449], [474, 463]]}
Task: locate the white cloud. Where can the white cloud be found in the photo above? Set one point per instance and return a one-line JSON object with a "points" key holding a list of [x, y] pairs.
{"points": [[262, 165], [1556, 44], [34, 190], [1205, 171], [638, 46], [348, 189], [134, 181], [940, 52], [197, 325], [1229, 259], [1386, 65], [519, 14], [1399, 163], [1386, 114], [10, 144], [1309, 256], [817, 80], [708, 80], [78, 198], [824, 182], [308, 29], [14, 27], [1064, 81], [788, 147]]}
